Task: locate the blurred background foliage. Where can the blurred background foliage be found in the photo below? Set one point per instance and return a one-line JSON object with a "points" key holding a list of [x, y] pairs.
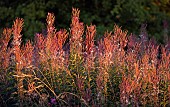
{"points": [[129, 14]]}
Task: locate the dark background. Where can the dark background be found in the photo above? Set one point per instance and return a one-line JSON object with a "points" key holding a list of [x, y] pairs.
{"points": [[129, 14]]}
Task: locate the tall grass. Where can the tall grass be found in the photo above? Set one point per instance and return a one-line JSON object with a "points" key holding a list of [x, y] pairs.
{"points": [[70, 68]]}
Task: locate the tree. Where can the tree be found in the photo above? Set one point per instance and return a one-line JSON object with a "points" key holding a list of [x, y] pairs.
{"points": [[129, 14]]}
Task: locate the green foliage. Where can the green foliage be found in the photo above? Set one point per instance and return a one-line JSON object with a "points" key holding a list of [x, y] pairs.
{"points": [[129, 14]]}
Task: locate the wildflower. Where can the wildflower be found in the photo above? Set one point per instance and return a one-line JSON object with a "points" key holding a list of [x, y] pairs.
{"points": [[53, 101]]}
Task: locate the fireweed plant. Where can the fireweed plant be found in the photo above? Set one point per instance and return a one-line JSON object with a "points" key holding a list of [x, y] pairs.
{"points": [[117, 70]]}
